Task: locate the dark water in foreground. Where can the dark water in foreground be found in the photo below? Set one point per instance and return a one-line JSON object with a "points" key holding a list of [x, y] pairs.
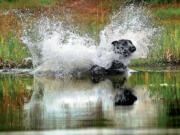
{"points": [[69, 106]]}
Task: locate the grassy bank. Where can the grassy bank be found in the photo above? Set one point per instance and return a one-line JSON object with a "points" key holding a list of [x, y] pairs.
{"points": [[166, 50], [167, 13], [12, 49]]}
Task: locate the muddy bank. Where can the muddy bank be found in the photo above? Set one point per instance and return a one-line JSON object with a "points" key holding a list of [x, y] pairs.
{"points": [[28, 64], [9, 64]]}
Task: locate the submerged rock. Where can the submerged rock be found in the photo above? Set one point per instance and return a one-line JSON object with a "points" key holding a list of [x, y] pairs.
{"points": [[7, 64]]}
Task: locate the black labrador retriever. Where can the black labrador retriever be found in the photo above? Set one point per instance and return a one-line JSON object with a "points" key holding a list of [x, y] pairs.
{"points": [[124, 48]]}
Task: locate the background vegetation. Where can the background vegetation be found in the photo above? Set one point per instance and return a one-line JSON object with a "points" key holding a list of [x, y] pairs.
{"points": [[91, 15], [167, 48]]}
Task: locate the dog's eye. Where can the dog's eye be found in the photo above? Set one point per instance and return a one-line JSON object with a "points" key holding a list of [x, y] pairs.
{"points": [[117, 47]]}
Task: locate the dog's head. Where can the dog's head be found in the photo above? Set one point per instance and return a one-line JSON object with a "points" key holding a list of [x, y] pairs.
{"points": [[123, 47]]}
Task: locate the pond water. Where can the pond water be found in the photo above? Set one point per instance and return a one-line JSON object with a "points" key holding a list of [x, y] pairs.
{"points": [[39, 105]]}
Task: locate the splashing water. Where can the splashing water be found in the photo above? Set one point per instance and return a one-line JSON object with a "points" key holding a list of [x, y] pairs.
{"points": [[133, 23], [62, 50]]}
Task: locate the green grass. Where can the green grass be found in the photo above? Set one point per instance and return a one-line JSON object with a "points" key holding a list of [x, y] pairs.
{"points": [[11, 48], [156, 1], [160, 1], [25, 3], [167, 13], [166, 49]]}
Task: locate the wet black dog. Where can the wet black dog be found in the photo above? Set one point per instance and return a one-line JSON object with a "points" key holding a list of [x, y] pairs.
{"points": [[123, 95], [124, 48]]}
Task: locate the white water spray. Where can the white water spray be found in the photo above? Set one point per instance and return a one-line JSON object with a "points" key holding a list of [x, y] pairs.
{"points": [[133, 23], [61, 50]]}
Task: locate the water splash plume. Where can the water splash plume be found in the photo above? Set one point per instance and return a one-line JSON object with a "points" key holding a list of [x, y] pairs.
{"points": [[63, 50]]}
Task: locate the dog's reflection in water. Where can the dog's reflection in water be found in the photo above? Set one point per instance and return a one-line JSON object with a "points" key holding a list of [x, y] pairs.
{"points": [[67, 103]]}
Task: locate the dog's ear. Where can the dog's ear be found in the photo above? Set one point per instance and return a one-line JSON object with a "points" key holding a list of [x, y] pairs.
{"points": [[130, 41], [114, 43]]}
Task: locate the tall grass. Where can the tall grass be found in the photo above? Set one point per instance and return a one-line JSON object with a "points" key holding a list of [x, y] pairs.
{"points": [[166, 49], [11, 48], [167, 13], [160, 1], [25, 3]]}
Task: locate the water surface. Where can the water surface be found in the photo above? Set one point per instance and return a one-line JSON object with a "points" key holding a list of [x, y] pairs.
{"points": [[79, 106]]}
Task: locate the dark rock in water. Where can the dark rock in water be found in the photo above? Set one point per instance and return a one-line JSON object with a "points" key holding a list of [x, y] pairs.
{"points": [[5, 70], [26, 63], [6, 64], [124, 97], [9, 64], [1, 65]]}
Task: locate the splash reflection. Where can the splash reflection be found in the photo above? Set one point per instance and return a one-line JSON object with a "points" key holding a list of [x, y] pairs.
{"points": [[70, 103]]}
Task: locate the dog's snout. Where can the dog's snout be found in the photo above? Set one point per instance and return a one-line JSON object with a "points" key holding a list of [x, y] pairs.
{"points": [[132, 49]]}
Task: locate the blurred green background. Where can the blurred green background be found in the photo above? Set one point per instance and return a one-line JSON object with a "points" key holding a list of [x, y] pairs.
{"points": [[92, 15]]}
